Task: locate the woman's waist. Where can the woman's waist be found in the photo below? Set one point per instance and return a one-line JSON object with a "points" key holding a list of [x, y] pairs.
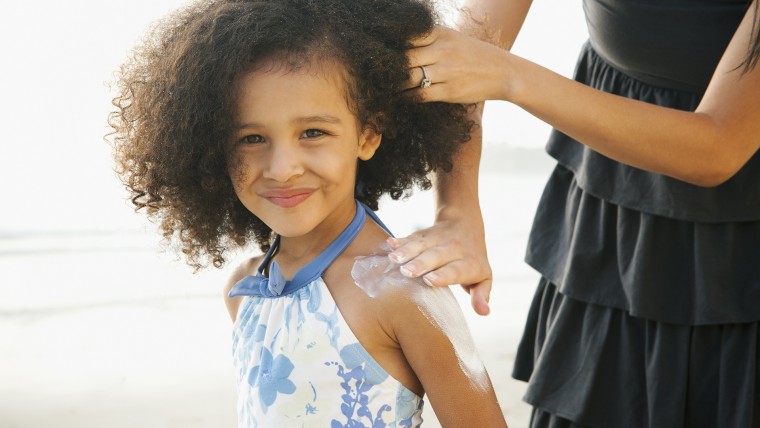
{"points": [[736, 200], [653, 266]]}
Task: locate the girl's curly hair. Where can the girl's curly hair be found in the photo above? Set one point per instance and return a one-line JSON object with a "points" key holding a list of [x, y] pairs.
{"points": [[174, 109]]}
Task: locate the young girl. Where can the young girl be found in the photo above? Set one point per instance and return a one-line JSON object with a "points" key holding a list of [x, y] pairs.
{"points": [[282, 122]]}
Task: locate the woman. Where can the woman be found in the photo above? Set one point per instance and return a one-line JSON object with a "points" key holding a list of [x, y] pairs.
{"points": [[647, 236]]}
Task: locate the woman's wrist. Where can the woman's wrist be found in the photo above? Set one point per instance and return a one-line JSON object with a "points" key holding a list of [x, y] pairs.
{"points": [[506, 78], [509, 81], [468, 213]]}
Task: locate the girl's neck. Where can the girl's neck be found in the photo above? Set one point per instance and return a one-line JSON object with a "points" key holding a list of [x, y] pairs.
{"points": [[296, 251]]}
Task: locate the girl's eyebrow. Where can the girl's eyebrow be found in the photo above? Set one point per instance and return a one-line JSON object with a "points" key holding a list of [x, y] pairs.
{"points": [[247, 125], [325, 118], [318, 118]]}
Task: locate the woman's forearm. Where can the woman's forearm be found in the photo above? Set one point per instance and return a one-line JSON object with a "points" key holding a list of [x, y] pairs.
{"points": [[497, 22], [703, 148], [457, 190]]}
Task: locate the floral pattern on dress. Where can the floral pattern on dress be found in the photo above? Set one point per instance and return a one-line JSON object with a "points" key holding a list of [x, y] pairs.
{"points": [[271, 377], [355, 400], [299, 364]]}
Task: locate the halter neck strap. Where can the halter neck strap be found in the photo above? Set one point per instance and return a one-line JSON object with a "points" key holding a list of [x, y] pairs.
{"points": [[276, 285]]}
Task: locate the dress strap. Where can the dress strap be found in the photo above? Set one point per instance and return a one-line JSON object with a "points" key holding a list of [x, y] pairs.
{"points": [[276, 285]]}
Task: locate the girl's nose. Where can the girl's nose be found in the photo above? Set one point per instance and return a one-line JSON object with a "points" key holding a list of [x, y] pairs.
{"points": [[284, 163]]}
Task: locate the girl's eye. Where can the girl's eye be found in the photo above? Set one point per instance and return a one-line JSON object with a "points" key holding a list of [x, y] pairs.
{"points": [[252, 139], [312, 133]]}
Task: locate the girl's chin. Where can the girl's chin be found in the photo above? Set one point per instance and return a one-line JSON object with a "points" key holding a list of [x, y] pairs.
{"points": [[291, 230]]}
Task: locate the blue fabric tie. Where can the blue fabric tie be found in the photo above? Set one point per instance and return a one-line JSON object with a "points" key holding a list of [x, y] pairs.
{"points": [[276, 284]]}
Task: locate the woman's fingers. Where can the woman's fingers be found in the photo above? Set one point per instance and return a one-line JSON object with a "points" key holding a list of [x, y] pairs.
{"points": [[434, 93], [418, 58], [462, 69], [429, 38], [446, 254], [425, 55], [450, 272], [460, 271], [439, 88], [479, 297], [415, 77], [405, 249], [426, 52]]}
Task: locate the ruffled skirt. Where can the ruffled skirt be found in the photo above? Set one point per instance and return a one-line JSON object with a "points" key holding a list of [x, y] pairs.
{"points": [[601, 367], [648, 312]]}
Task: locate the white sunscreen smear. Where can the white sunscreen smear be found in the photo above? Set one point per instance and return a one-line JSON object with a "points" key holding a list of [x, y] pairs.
{"points": [[376, 274]]}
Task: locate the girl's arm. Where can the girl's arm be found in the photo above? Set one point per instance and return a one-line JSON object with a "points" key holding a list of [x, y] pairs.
{"points": [[705, 147], [456, 243], [429, 326]]}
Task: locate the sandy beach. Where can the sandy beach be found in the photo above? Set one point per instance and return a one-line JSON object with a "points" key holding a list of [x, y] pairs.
{"points": [[101, 330]]}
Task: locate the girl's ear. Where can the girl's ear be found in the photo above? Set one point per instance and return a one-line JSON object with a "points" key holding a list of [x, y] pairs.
{"points": [[369, 141]]}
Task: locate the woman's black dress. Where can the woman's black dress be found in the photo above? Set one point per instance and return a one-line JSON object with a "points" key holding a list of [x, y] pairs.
{"points": [[648, 312]]}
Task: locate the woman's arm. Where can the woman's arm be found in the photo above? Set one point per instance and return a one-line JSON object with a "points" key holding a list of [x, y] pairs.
{"points": [[496, 21], [456, 242], [453, 251], [705, 147]]}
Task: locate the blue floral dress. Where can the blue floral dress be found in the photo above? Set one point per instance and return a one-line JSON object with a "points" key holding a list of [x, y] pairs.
{"points": [[299, 364]]}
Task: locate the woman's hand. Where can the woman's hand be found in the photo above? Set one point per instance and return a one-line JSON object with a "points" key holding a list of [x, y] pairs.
{"points": [[462, 69], [452, 251]]}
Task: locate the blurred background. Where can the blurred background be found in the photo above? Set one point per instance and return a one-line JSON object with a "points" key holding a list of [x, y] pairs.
{"points": [[98, 327]]}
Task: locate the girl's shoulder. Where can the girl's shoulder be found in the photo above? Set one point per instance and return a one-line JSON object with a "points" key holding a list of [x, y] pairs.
{"points": [[377, 285], [366, 266], [245, 268], [381, 279]]}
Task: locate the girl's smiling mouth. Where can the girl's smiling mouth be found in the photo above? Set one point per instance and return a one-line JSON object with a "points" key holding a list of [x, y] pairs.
{"points": [[287, 198]]}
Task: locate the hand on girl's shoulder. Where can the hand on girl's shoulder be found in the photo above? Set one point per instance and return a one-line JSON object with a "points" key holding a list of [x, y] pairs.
{"points": [[407, 302], [428, 324], [246, 268]]}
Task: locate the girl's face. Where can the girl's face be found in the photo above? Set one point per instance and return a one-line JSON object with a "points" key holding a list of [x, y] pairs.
{"points": [[294, 151]]}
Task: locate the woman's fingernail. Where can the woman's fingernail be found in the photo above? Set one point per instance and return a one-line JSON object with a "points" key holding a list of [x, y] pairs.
{"points": [[392, 242], [397, 257], [407, 271], [429, 278]]}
